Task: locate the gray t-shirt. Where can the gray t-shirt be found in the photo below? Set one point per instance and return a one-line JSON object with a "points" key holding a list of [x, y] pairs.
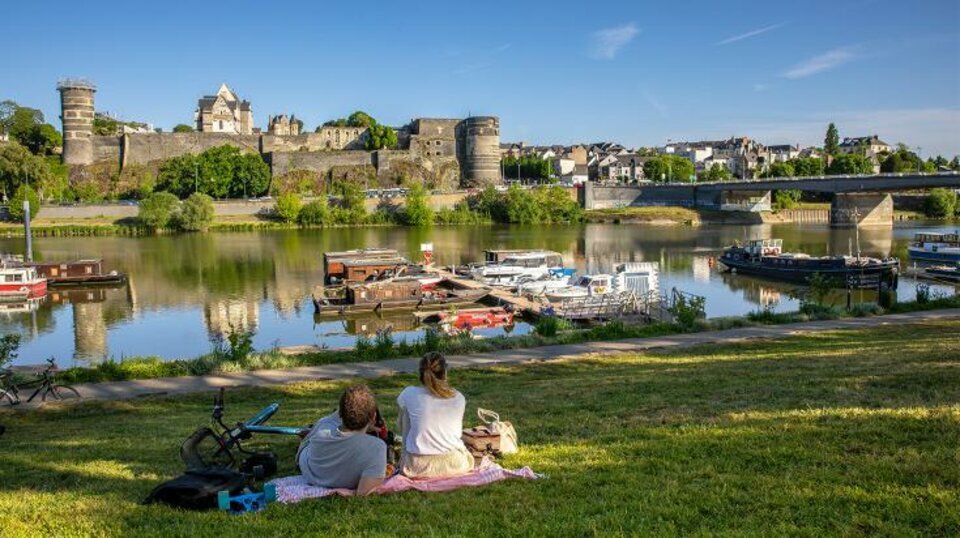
{"points": [[332, 458]]}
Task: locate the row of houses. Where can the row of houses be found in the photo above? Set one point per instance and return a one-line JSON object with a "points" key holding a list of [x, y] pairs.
{"points": [[743, 156]]}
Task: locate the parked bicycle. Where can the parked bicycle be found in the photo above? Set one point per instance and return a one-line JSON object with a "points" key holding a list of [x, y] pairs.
{"points": [[46, 386]]}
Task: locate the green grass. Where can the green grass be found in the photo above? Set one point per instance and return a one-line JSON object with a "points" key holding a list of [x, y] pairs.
{"points": [[837, 433]]}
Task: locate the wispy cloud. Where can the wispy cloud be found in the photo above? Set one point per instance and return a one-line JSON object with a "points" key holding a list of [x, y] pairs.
{"points": [[750, 34], [606, 43], [655, 103], [823, 62]]}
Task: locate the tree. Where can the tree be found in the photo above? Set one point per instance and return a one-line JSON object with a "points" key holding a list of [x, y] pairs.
{"points": [[42, 139], [380, 137], [7, 108], [781, 169], [787, 198], [23, 120], [105, 126], [668, 168], [316, 213], [157, 210], [416, 210], [901, 160], [220, 172], [352, 208], [940, 204], [717, 172], [24, 192], [360, 119], [196, 213], [955, 163], [850, 164], [831, 142], [19, 166], [251, 176], [182, 128], [807, 166], [288, 207]]}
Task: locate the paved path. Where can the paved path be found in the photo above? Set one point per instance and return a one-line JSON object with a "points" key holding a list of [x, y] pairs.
{"points": [[179, 385]]}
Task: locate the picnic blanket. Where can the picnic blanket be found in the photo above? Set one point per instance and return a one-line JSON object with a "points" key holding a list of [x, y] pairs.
{"points": [[293, 489]]}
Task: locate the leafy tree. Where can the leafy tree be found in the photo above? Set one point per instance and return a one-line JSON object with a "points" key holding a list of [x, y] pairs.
{"points": [[7, 108], [807, 166], [556, 205], [179, 175], [530, 168], [219, 172], [157, 210], [416, 210], [42, 139], [901, 160], [251, 176], [24, 192], [196, 213], [851, 163], [18, 166], [22, 122], [9, 345], [380, 137], [668, 168], [781, 169], [786, 198], [105, 126], [288, 207], [940, 203], [522, 207], [831, 142], [955, 163], [360, 119], [717, 172], [352, 208], [316, 213], [182, 128]]}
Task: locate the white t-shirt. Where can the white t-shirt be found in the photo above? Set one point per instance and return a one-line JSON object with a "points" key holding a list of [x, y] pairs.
{"points": [[431, 425]]}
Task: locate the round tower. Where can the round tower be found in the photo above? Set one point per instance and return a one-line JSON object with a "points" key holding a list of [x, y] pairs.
{"points": [[480, 159], [76, 113]]}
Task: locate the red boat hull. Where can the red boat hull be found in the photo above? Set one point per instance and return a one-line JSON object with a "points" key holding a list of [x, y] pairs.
{"points": [[31, 290]]}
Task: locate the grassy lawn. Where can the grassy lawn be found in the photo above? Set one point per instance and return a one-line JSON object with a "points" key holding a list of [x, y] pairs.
{"points": [[846, 432]]}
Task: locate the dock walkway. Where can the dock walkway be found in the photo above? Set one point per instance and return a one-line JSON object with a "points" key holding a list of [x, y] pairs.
{"points": [[502, 296], [117, 390]]}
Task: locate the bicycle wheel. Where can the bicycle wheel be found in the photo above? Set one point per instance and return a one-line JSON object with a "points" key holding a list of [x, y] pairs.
{"points": [[61, 392], [11, 396]]}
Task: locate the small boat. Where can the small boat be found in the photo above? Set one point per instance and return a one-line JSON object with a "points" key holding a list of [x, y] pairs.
{"points": [[469, 318], [641, 278], [942, 272], [19, 283], [555, 279], [516, 268], [765, 258], [77, 273], [401, 293], [360, 265], [934, 247]]}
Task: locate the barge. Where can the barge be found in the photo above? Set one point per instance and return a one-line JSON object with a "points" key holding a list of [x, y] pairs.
{"points": [[402, 293], [77, 273], [765, 258], [931, 247]]}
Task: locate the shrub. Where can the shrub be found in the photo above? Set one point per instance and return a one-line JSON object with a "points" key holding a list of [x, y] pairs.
{"points": [[196, 214], [24, 192], [940, 204], [688, 309], [786, 199], [383, 344], [923, 293], [416, 211], [315, 213], [9, 345], [157, 210], [288, 207], [549, 326]]}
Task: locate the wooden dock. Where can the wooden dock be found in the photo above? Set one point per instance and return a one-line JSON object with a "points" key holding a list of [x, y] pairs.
{"points": [[500, 296]]}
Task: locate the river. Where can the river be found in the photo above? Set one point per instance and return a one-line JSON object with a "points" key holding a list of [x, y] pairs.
{"points": [[184, 291]]}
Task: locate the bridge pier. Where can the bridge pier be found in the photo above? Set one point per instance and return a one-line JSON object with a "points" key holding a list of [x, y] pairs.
{"points": [[861, 209], [752, 201]]}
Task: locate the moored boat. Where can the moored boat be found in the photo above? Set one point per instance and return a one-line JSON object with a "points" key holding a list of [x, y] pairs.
{"points": [[640, 278], [19, 283], [765, 258], [402, 293], [515, 268], [77, 273], [469, 318], [934, 247], [942, 272]]}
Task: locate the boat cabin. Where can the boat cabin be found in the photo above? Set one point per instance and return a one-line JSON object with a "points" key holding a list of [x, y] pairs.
{"points": [[533, 259], [395, 291], [501, 255], [359, 265], [640, 277], [78, 268], [947, 239], [764, 247]]}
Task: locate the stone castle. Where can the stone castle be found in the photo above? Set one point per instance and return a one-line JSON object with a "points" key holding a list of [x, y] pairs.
{"points": [[448, 151]]}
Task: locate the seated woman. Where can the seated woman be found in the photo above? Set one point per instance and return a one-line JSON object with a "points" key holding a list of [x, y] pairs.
{"points": [[431, 423]]}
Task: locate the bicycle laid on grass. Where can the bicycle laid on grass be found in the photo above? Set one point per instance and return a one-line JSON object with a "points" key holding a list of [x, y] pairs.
{"points": [[46, 386]]}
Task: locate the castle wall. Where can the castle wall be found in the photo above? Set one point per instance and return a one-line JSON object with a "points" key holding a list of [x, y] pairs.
{"points": [[318, 161], [142, 148], [106, 148]]}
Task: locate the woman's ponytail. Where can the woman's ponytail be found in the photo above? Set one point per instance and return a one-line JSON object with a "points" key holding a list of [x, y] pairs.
{"points": [[433, 375]]}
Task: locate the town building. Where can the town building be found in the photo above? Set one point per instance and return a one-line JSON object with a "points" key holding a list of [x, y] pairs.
{"points": [[224, 112], [283, 126]]}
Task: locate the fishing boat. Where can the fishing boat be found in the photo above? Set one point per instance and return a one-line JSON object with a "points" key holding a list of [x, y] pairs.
{"points": [[934, 247], [515, 268], [641, 278], [401, 293], [949, 273], [765, 258], [19, 283], [77, 273], [467, 319]]}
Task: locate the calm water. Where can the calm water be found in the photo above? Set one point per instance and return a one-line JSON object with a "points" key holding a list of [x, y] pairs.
{"points": [[185, 290]]}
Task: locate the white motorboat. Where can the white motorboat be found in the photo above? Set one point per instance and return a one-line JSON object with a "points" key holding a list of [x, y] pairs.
{"points": [[517, 268], [555, 279], [640, 278]]}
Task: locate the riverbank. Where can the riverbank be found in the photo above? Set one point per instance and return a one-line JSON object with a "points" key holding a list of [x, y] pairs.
{"points": [[839, 432], [671, 216], [223, 359]]}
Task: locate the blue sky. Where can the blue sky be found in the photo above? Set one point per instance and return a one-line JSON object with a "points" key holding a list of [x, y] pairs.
{"points": [[554, 72]]}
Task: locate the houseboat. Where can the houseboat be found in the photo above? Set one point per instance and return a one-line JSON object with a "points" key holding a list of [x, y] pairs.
{"points": [[934, 247], [514, 269], [640, 278], [20, 283], [765, 258], [400, 293], [77, 273], [360, 265]]}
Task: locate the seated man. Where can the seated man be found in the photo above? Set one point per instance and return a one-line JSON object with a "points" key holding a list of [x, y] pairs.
{"points": [[338, 453]]}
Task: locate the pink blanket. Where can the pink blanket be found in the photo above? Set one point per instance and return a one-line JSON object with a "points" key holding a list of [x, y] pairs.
{"points": [[293, 489]]}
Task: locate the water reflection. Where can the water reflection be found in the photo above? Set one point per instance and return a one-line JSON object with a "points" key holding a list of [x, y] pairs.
{"points": [[184, 290]]}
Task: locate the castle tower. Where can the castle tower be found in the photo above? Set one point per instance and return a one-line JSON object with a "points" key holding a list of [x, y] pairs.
{"points": [[76, 113], [480, 151]]}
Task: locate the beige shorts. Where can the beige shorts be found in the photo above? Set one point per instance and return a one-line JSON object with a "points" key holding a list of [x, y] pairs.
{"points": [[453, 463]]}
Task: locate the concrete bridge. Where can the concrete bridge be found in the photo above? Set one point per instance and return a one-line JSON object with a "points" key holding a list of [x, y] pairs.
{"points": [[857, 199]]}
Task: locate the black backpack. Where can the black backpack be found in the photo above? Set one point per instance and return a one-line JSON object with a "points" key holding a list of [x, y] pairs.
{"points": [[197, 489]]}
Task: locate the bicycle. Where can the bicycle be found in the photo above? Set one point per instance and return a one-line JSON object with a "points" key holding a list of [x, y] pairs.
{"points": [[45, 384]]}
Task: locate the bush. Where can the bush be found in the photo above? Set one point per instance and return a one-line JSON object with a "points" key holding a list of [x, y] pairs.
{"points": [[688, 309], [416, 211], [196, 214], [786, 199], [940, 204], [157, 210], [923, 293], [288, 207], [9, 345], [24, 192], [549, 326], [315, 213]]}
